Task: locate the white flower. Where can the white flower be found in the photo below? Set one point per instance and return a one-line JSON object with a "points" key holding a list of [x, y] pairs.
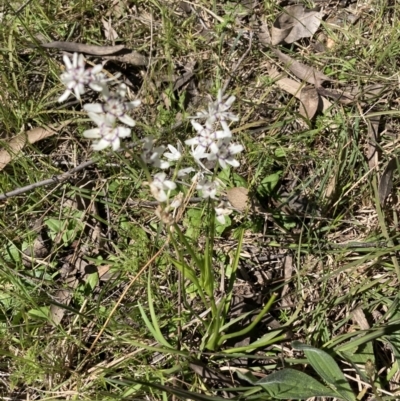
{"points": [[160, 185], [185, 171], [174, 154], [107, 134], [152, 155], [115, 105], [76, 76], [221, 211], [208, 189], [206, 139], [218, 110], [226, 153]]}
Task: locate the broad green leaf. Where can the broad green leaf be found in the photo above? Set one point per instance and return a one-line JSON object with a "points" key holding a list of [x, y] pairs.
{"points": [[327, 368], [42, 312], [290, 383], [268, 184]]}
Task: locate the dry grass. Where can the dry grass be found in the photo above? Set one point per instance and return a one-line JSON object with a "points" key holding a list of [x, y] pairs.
{"points": [[311, 179]]}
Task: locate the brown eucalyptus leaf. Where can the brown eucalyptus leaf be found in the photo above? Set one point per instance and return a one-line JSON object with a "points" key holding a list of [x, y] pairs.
{"points": [[294, 23], [386, 182], [309, 102], [294, 88], [109, 32], [264, 36], [12, 147], [359, 317], [302, 71], [129, 57], [238, 197], [84, 48]]}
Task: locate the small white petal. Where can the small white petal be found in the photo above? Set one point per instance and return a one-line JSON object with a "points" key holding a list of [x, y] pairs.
{"points": [[185, 171], [192, 141], [93, 107], [134, 103], [64, 96], [92, 133], [127, 120], [124, 132], [116, 143], [100, 145], [221, 218], [232, 162]]}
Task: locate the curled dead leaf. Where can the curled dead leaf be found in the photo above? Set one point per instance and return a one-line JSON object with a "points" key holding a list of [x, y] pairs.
{"points": [[294, 23], [16, 144], [309, 102], [302, 71], [293, 87]]}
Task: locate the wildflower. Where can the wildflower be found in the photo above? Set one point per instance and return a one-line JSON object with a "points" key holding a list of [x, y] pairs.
{"points": [[152, 155], [185, 171], [160, 185], [115, 105], [218, 110], [206, 139], [221, 211], [107, 134], [174, 154], [208, 189], [76, 76], [226, 153]]}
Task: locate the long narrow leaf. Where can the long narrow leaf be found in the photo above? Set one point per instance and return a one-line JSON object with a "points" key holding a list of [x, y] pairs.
{"points": [[150, 326], [159, 337]]}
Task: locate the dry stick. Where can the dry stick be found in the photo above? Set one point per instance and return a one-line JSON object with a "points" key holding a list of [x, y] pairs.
{"points": [[120, 300], [56, 179]]}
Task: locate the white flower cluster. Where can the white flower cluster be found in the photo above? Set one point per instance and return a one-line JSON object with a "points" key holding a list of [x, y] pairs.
{"points": [[105, 115], [212, 143]]}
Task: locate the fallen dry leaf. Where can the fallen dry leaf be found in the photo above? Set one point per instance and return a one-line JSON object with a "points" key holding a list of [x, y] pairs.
{"points": [[302, 71], [238, 197], [129, 57], [358, 316], [293, 87], [109, 32], [340, 96], [17, 143], [83, 48], [294, 23], [309, 102], [386, 182], [263, 36]]}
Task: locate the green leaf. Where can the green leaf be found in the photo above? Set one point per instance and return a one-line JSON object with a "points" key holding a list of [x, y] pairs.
{"points": [[327, 368], [268, 184], [290, 383], [92, 280], [239, 181], [158, 335], [151, 328], [42, 312]]}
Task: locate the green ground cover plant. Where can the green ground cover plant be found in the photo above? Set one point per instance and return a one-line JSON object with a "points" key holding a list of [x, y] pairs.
{"points": [[199, 200]]}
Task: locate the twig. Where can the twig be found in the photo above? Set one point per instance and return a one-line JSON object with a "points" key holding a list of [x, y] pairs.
{"points": [[56, 179]]}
